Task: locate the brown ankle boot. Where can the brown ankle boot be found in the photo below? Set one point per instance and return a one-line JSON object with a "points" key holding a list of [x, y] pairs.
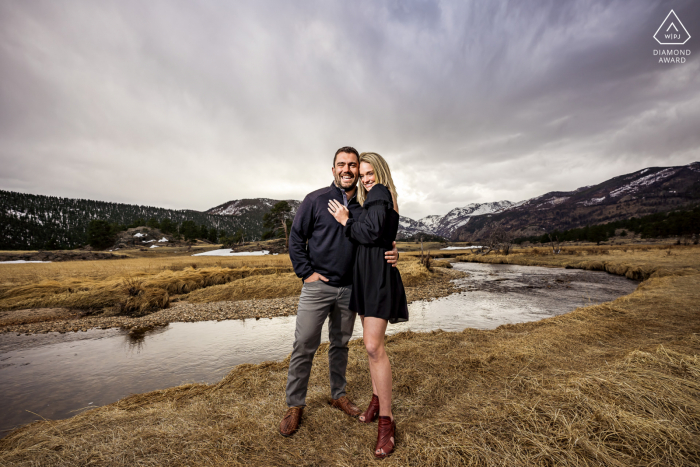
{"points": [[386, 437], [372, 411], [291, 421]]}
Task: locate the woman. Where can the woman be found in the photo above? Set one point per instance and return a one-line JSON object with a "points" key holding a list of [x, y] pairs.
{"points": [[378, 295]]}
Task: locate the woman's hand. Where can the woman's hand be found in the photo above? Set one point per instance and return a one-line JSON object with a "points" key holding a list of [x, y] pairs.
{"points": [[338, 211]]}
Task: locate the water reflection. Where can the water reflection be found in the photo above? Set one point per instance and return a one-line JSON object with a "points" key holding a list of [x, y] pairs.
{"points": [[53, 375], [136, 339]]}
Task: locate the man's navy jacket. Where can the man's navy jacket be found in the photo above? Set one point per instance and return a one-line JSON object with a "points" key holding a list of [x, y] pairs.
{"points": [[329, 252]]}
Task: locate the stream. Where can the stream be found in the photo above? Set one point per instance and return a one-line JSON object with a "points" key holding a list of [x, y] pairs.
{"points": [[54, 376]]}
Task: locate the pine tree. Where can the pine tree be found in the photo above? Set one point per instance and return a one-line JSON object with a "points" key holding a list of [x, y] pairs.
{"points": [[189, 230], [277, 220], [99, 234]]}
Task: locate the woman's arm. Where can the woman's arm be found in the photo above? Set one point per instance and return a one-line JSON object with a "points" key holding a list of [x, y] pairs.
{"points": [[370, 230], [366, 232]]}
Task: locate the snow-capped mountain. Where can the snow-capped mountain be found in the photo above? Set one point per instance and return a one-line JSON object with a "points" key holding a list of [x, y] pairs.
{"points": [[431, 222], [646, 191], [409, 227], [446, 225]]}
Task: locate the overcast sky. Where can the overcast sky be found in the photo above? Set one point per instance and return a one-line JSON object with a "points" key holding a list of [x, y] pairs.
{"points": [[189, 104]]}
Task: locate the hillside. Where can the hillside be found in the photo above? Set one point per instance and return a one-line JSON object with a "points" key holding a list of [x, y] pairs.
{"points": [[647, 191], [49, 222], [250, 211]]}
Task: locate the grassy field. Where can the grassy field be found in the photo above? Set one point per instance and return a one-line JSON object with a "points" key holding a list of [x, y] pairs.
{"points": [[141, 285], [14, 274], [613, 384], [136, 286]]}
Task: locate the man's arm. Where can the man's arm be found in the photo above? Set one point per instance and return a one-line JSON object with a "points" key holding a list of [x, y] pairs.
{"points": [[392, 256], [300, 233]]}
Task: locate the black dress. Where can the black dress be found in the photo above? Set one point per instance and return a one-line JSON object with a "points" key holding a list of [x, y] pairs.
{"points": [[377, 290]]}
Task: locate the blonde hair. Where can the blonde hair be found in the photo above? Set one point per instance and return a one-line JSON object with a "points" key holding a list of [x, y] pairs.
{"points": [[382, 175]]}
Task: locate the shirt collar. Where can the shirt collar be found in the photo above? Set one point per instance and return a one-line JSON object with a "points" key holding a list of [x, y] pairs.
{"points": [[346, 200]]}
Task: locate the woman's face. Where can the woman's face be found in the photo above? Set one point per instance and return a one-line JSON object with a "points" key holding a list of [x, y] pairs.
{"points": [[367, 175]]}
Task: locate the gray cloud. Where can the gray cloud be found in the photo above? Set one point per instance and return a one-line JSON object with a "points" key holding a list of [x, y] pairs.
{"points": [[188, 105]]}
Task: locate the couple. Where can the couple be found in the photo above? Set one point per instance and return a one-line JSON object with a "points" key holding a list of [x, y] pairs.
{"points": [[342, 246]]}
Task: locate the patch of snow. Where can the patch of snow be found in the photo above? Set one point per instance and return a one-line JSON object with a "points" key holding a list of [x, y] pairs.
{"points": [[234, 209], [20, 214], [139, 234], [555, 201], [147, 241], [154, 246], [21, 261], [460, 247], [643, 181], [228, 252], [163, 239], [592, 201], [461, 223], [645, 170], [430, 221]]}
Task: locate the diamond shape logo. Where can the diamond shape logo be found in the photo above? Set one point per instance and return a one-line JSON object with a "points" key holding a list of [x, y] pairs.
{"points": [[671, 31]]}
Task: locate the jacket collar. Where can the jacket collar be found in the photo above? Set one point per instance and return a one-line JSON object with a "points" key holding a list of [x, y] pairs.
{"points": [[340, 191]]}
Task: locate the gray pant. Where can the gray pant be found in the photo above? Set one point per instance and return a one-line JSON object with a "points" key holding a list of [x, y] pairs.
{"points": [[319, 301]]}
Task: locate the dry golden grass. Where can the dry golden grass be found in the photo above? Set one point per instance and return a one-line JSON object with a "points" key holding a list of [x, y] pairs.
{"points": [[613, 384], [13, 274], [136, 291], [287, 285], [270, 286], [141, 286]]}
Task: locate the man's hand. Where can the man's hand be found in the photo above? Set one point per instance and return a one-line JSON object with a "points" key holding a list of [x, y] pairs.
{"points": [[314, 277], [392, 256]]}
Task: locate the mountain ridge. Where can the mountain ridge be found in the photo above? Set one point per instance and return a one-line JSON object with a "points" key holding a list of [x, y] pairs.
{"points": [[35, 221], [639, 193]]}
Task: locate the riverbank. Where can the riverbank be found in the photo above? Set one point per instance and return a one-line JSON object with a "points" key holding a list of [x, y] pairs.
{"points": [[633, 262], [42, 320], [612, 384]]}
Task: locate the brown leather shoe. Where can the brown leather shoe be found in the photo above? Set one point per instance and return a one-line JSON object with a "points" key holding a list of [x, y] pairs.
{"points": [[291, 421], [344, 404]]}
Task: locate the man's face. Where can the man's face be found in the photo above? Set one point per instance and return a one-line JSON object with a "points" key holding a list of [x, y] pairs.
{"points": [[346, 171]]}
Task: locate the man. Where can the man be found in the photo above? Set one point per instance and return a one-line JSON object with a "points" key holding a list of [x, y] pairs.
{"points": [[325, 266]]}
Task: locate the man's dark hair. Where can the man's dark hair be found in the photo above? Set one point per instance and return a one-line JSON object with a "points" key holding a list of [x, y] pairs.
{"points": [[349, 150]]}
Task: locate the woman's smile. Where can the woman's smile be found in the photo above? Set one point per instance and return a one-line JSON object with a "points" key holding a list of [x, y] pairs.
{"points": [[367, 175]]}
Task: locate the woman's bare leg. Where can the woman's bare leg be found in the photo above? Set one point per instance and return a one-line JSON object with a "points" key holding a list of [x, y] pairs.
{"points": [[374, 386], [373, 331], [379, 366]]}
